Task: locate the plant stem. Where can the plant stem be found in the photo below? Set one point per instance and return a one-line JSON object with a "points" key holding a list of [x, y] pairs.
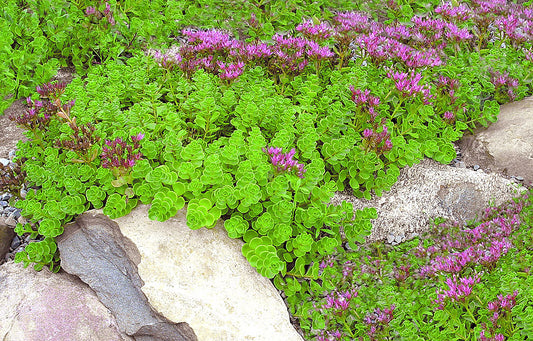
{"points": [[298, 276]]}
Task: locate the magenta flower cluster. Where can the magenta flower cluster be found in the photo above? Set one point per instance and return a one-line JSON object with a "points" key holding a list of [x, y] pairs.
{"points": [[365, 101], [446, 87], [378, 321], [378, 142], [339, 302], [318, 32], [32, 119], [327, 262], [52, 90], [483, 245], [402, 272], [413, 46], [453, 13], [501, 309], [335, 335], [504, 83], [217, 52], [517, 29], [119, 154], [409, 85], [496, 337], [106, 13], [39, 112], [459, 289], [284, 162]]}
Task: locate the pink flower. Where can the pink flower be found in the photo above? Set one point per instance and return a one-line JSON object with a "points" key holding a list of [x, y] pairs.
{"points": [[318, 32], [138, 137], [285, 162], [459, 288], [90, 10]]}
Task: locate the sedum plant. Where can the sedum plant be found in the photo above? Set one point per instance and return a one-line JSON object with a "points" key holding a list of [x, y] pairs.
{"points": [[261, 128]]}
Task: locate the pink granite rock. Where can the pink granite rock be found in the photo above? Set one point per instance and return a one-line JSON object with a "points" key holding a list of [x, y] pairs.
{"points": [[39, 306]]}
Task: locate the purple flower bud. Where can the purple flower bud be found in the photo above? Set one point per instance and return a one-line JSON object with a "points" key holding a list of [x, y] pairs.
{"points": [[107, 9], [367, 133], [130, 163], [90, 10], [448, 115], [387, 146], [138, 137]]}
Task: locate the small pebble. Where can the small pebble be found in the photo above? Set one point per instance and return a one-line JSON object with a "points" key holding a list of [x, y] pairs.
{"points": [[10, 221], [460, 164], [11, 154], [9, 209], [23, 193], [5, 197], [15, 242], [519, 178], [27, 239], [4, 162], [19, 249], [22, 220], [9, 256], [399, 239], [476, 167], [4, 203], [15, 214], [390, 239]]}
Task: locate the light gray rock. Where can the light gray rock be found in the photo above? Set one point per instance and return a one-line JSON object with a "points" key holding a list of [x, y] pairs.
{"points": [[196, 276], [39, 306], [202, 277], [429, 190], [505, 146], [94, 249], [10, 220]]}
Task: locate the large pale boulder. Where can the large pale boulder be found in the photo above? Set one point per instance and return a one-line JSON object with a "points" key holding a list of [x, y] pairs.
{"points": [[94, 249], [199, 277], [505, 146], [429, 190], [41, 306]]}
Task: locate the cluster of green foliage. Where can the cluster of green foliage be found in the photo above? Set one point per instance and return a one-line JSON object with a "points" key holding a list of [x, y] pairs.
{"points": [[204, 138], [216, 175], [204, 141], [39, 36]]}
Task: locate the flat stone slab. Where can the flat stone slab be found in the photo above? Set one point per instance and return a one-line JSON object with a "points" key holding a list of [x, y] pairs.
{"points": [[429, 190]]}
